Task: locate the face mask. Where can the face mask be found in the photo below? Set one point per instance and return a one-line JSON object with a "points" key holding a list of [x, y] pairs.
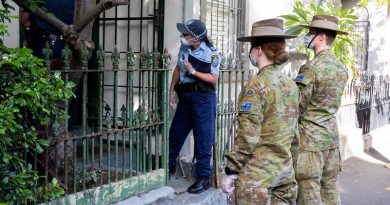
{"points": [[308, 39], [253, 60], [186, 42]]}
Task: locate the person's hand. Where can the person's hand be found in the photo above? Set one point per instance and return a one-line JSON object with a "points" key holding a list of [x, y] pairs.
{"points": [[188, 66], [227, 183], [172, 101]]}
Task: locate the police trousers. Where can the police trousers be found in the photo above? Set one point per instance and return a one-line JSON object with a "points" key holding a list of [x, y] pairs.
{"points": [[317, 174], [196, 111]]}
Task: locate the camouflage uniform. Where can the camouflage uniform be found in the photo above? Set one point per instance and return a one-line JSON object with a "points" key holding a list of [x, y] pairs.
{"points": [[321, 83], [267, 120]]}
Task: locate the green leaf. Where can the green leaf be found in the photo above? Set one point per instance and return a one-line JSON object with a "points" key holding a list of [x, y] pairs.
{"points": [[57, 74], [290, 17], [295, 30], [43, 142], [70, 84]]}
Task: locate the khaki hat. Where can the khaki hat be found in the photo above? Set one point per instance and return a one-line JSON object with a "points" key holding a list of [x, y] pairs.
{"points": [[266, 28], [325, 22]]}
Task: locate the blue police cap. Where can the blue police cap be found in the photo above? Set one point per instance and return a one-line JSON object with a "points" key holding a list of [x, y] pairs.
{"points": [[193, 27]]}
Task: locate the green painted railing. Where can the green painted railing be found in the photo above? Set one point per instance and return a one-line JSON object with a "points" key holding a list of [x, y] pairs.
{"points": [[123, 134], [231, 80]]}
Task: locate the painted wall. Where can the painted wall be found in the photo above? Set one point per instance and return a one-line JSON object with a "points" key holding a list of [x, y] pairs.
{"points": [[12, 40], [177, 11], [379, 41], [264, 9]]}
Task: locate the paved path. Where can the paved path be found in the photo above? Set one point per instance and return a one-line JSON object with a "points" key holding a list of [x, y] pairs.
{"points": [[364, 179]]}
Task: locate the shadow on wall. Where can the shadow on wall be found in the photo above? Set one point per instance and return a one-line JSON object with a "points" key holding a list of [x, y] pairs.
{"points": [[378, 43]]}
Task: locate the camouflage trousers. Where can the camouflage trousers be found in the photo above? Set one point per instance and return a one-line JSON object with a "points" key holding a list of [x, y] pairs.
{"points": [[317, 174], [281, 195]]}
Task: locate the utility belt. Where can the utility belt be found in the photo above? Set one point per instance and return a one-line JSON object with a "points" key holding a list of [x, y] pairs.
{"points": [[198, 86]]}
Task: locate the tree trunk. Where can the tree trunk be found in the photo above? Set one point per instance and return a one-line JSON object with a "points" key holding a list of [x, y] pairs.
{"points": [[79, 34], [84, 38]]}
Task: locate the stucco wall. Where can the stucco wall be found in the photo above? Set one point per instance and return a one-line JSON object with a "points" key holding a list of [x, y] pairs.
{"points": [[379, 41], [12, 40]]}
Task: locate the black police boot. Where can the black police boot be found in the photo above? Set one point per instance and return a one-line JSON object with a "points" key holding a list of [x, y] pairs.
{"points": [[201, 184]]}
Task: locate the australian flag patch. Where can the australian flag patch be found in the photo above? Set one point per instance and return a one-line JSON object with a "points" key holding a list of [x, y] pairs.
{"points": [[300, 77], [246, 106]]}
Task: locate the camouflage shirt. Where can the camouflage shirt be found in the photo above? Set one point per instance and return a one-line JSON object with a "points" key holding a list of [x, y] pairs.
{"points": [[267, 120], [321, 83]]}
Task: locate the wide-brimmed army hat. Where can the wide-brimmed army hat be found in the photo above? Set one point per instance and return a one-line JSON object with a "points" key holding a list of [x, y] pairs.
{"points": [[266, 28], [325, 22]]}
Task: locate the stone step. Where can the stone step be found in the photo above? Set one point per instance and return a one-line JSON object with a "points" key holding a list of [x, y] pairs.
{"points": [[211, 196], [163, 195]]}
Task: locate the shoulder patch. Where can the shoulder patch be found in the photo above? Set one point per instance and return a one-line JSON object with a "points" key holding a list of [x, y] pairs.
{"points": [[250, 92], [300, 77], [215, 60], [246, 106]]}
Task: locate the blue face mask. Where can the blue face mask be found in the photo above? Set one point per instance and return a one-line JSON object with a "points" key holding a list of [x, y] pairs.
{"points": [[308, 39], [253, 60]]}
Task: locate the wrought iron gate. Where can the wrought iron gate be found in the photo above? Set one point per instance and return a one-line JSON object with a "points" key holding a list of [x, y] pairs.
{"points": [[119, 142]]}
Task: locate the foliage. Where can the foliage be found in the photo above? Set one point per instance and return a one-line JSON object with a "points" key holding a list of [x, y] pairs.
{"points": [[342, 47], [377, 2], [29, 96]]}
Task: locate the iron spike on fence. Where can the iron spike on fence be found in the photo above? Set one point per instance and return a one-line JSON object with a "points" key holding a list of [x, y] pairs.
{"points": [[100, 57], [219, 108], [142, 58], [115, 57], [149, 116], [240, 64], [225, 105], [156, 59], [223, 61], [149, 59], [166, 59], [124, 115], [107, 117], [136, 118], [66, 55], [130, 56], [47, 53], [230, 62], [142, 115], [84, 56], [158, 117], [232, 106]]}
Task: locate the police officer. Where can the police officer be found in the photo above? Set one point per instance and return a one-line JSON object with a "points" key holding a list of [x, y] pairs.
{"points": [[321, 82], [261, 160], [194, 80]]}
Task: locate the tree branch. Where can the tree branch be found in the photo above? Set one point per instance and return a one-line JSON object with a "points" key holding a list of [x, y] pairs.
{"points": [[43, 15], [95, 12]]}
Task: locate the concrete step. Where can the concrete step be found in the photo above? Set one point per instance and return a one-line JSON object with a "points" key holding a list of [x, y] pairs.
{"points": [[164, 195], [211, 196]]}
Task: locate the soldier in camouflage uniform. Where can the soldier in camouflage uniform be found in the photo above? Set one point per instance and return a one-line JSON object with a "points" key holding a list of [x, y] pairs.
{"points": [[261, 160], [321, 83]]}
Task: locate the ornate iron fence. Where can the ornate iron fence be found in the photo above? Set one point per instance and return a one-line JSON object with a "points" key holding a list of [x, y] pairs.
{"points": [[231, 80], [122, 136], [373, 102]]}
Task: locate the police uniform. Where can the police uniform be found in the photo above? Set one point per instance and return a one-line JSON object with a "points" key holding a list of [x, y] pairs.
{"points": [[321, 83], [267, 121], [196, 109]]}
